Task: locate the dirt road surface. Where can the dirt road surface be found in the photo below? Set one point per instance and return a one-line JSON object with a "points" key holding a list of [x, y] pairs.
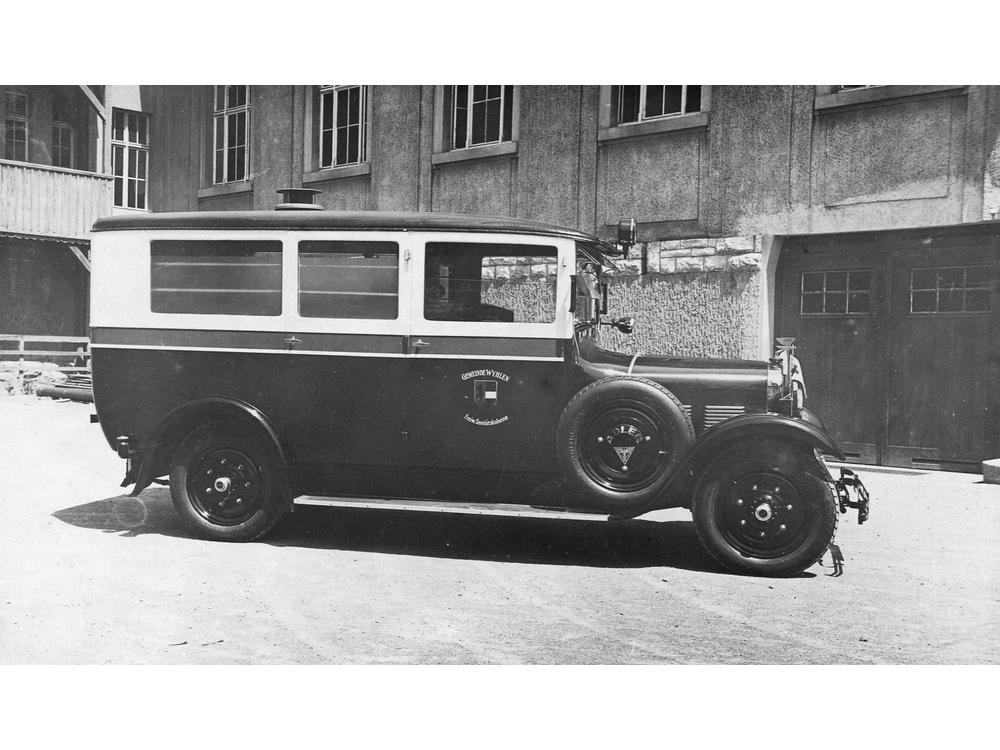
{"points": [[89, 575]]}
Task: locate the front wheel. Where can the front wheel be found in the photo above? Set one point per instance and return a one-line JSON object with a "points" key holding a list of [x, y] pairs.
{"points": [[227, 485], [762, 509]]}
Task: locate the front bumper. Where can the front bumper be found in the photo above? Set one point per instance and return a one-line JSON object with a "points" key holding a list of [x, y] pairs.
{"points": [[842, 487]]}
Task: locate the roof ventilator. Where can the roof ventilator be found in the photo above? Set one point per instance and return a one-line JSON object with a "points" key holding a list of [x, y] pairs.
{"points": [[298, 199]]}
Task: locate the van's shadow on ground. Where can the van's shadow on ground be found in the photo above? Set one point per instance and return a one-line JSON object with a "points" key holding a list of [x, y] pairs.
{"points": [[545, 541]]}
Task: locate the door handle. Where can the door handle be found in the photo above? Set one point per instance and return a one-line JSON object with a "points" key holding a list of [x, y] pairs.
{"points": [[419, 344], [292, 342]]}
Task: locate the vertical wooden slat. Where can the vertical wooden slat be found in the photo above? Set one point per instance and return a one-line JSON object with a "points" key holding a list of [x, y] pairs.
{"points": [[51, 202]]}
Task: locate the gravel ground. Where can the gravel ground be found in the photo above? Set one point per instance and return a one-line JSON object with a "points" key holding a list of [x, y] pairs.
{"points": [[91, 576]]}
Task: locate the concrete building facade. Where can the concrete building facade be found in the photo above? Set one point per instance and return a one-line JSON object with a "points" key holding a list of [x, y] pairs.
{"points": [[858, 219]]}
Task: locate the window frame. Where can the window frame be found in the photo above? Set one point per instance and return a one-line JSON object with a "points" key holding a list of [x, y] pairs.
{"points": [[643, 103], [609, 129], [125, 146], [559, 328], [362, 125], [16, 121], [222, 113], [444, 117]]}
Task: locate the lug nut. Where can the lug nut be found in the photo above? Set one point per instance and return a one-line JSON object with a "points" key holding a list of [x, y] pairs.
{"points": [[781, 528], [739, 501], [788, 507]]}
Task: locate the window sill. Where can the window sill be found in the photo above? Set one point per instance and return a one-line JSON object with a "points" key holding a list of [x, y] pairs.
{"points": [[230, 188], [654, 127], [507, 149], [878, 95], [337, 173]]}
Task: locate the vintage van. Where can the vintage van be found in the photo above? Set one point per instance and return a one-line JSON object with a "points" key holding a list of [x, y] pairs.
{"points": [[259, 357]]}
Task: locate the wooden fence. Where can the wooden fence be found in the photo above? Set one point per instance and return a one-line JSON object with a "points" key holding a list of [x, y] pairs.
{"points": [[26, 349]]}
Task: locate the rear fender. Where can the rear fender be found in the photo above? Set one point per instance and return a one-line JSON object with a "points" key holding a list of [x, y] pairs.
{"points": [[155, 460]]}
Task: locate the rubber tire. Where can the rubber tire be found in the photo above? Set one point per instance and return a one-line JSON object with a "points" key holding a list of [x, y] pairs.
{"points": [[653, 409], [730, 478], [265, 471]]}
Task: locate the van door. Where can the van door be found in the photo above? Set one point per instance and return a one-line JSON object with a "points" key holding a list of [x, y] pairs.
{"points": [[487, 374], [344, 399]]}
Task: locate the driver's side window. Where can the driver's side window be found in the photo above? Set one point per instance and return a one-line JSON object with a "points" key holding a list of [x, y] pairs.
{"points": [[466, 281]]}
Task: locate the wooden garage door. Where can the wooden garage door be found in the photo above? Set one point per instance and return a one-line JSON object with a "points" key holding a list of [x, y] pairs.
{"points": [[898, 343]]}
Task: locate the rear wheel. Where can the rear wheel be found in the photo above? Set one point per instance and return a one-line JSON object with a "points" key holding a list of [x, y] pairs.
{"points": [[762, 509], [227, 484]]}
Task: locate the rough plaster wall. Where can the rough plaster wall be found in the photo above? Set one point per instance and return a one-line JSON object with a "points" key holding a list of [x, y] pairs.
{"points": [[991, 183], [695, 315], [532, 300]]}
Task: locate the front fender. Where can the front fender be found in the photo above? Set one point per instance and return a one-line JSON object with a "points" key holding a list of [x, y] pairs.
{"points": [[184, 418], [807, 432]]}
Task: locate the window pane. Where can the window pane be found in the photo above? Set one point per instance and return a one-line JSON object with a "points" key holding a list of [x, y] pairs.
{"points": [[693, 99], [978, 277], [216, 277], [812, 304], [951, 278], [348, 279], [923, 278], [859, 303], [628, 103], [836, 281], [922, 302], [859, 280], [508, 113], [493, 121], [836, 304], [977, 300], [654, 101], [812, 282], [490, 282], [118, 125], [461, 116]]}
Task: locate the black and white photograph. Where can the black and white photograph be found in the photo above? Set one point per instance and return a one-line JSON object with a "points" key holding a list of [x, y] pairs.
{"points": [[633, 388]]}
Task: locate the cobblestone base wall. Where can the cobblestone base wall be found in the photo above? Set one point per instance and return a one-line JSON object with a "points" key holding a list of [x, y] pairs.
{"points": [[700, 298]]}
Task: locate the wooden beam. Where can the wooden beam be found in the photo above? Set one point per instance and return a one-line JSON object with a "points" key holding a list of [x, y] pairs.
{"points": [[80, 257], [95, 102]]}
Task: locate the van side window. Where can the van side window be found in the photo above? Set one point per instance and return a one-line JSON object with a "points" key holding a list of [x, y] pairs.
{"points": [[490, 282], [348, 279], [216, 277]]}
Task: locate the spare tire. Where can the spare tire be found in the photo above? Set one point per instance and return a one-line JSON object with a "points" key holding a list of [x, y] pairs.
{"points": [[620, 440]]}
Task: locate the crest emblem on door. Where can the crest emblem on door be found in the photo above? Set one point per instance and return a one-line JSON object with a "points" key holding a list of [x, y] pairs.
{"points": [[485, 393]]}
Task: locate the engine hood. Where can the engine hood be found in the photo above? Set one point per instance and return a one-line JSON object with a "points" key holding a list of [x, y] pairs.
{"points": [[678, 373]]}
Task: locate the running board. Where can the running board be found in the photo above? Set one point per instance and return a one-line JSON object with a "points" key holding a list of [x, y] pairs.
{"points": [[438, 506]]}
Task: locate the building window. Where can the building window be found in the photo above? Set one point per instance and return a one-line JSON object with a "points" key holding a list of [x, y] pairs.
{"points": [[836, 292], [130, 157], [481, 115], [640, 103], [343, 127], [232, 134], [16, 126], [958, 289]]}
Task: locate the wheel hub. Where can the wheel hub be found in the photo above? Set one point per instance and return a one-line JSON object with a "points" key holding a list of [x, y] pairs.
{"points": [[763, 514], [227, 486]]}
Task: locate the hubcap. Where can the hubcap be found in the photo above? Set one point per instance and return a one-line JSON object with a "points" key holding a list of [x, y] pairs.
{"points": [[226, 486], [623, 449], [762, 512]]}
